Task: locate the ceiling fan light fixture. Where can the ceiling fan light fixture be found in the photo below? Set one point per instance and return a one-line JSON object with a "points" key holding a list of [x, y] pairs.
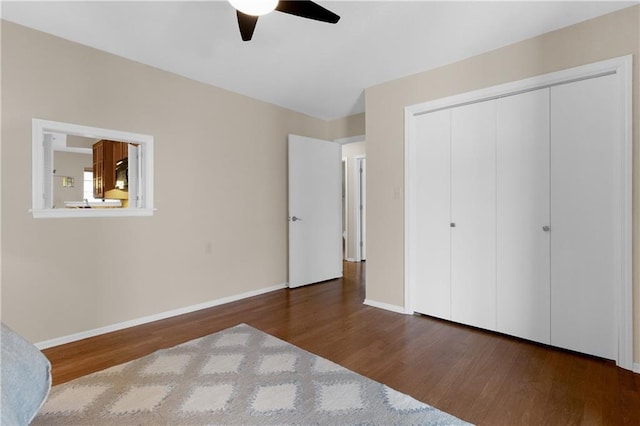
{"points": [[254, 7]]}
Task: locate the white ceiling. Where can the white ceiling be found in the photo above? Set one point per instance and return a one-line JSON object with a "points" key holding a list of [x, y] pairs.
{"points": [[311, 67]]}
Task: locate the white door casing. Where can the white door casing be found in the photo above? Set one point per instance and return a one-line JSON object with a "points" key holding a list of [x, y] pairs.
{"points": [[345, 207], [363, 199], [315, 210], [360, 206]]}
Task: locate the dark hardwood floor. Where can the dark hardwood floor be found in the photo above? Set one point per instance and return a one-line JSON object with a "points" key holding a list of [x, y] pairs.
{"points": [[481, 377]]}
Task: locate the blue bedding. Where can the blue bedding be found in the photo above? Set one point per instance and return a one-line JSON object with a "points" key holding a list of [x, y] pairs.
{"points": [[26, 379]]}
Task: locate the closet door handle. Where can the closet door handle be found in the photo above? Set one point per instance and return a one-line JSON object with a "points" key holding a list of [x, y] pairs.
{"points": [[452, 224], [546, 228]]}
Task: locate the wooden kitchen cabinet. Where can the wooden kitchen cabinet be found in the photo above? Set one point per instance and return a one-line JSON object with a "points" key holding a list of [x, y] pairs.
{"points": [[120, 151], [105, 156]]}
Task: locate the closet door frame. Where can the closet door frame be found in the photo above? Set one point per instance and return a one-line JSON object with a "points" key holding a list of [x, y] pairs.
{"points": [[622, 68]]}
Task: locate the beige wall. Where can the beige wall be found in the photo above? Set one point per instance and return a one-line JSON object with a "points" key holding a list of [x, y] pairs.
{"points": [[353, 125], [220, 190], [80, 142], [606, 37], [349, 152]]}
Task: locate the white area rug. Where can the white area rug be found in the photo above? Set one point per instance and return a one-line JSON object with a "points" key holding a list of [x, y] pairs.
{"points": [[236, 376]]}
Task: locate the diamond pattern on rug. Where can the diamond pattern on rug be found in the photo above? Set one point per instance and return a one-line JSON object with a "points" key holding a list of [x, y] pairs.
{"points": [[116, 369], [73, 399], [343, 396], [168, 364], [277, 363], [401, 402], [208, 398], [321, 365], [140, 398], [233, 339], [192, 343], [238, 376], [273, 342], [218, 364], [275, 397]]}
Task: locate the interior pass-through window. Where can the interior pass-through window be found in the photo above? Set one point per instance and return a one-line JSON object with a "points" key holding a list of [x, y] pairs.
{"points": [[87, 171]]}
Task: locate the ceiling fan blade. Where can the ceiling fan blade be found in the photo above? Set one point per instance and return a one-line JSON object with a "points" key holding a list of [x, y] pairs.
{"points": [[246, 23], [307, 9]]}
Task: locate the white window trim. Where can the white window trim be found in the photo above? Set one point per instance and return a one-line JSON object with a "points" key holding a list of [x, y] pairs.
{"points": [[41, 127]]}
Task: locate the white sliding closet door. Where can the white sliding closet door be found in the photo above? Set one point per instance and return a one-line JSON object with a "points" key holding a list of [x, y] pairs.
{"points": [[585, 196], [473, 214], [523, 289], [429, 214]]}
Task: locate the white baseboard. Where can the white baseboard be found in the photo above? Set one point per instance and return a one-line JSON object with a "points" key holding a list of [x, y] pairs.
{"points": [[386, 306], [163, 315], [636, 367]]}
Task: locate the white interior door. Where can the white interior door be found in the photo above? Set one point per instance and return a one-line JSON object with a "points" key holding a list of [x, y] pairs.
{"points": [[429, 214], [585, 196], [523, 289], [315, 210], [473, 211]]}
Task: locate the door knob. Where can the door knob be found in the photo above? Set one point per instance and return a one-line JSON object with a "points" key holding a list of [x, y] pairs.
{"points": [[546, 228], [452, 224], [295, 219]]}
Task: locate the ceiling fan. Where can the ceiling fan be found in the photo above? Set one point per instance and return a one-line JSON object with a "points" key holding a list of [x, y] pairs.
{"points": [[248, 12]]}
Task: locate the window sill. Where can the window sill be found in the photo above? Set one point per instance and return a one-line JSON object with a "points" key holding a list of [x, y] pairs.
{"points": [[93, 212]]}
